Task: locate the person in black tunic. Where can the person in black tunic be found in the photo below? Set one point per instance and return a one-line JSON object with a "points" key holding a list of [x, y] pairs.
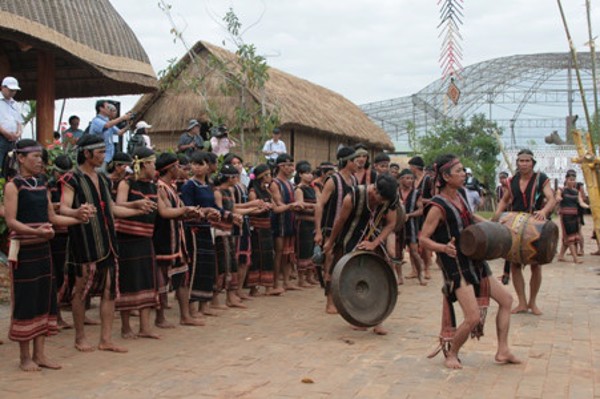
{"points": [[530, 192], [328, 208], [447, 215], [93, 246], [29, 213], [569, 199], [366, 219], [305, 224]]}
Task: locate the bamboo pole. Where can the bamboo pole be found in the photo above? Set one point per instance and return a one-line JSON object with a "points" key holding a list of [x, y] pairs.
{"points": [[576, 66]]}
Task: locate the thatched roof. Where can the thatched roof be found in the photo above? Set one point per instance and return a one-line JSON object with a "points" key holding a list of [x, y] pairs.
{"points": [[300, 103], [96, 52]]}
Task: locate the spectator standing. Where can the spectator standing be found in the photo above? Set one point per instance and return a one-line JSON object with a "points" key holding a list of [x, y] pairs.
{"points": [[274, 147], [220, 142], [73, 133], [11, 121], [105, 125], [191, 140]]}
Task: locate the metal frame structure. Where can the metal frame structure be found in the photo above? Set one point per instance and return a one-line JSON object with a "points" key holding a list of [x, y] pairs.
{"points": [[528, 96]]}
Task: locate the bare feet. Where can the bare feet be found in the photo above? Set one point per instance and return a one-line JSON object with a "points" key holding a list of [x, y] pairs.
{"points": [[191, 321], [596, 253], [47, 363], [29, 365], [412, 275], [236, 304], [380, 330], [331, 309], [110, 347], [578, 261], [290, 287], [150, 335], [400, 280], [208, 312], [84, 346], [427, 275], [244, 297], [274, 291], [164, 324], [508, 358], [561, 259], [452, 362], [535, 310], [358, 328], [128, 335], [520, 309]]}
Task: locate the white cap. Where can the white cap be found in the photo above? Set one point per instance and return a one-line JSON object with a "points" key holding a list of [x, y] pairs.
{"points": [[142, 125], [11, 83], [468, 170]]}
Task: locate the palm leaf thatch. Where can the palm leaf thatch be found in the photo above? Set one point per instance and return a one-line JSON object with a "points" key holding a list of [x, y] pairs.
{"points": [[301, 105], [96, 52]]}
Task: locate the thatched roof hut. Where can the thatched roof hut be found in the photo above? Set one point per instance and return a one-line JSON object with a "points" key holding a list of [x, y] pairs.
{"points": [[314, 120], [94, 50]]}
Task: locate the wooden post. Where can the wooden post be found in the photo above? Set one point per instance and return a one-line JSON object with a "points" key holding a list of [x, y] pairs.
{"points": [[46, 84]]}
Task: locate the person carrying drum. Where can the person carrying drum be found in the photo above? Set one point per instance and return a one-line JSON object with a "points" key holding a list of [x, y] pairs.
{"points": [[366, 219], [529, 192], [465, 280]]}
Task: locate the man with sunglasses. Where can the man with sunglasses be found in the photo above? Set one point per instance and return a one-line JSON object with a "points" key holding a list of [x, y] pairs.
{"points": [[11, 121]]}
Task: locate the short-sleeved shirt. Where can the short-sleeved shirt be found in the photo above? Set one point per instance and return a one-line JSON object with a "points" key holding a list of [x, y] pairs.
{"points": [[97, 127], [278, 147], [221, 146], [10, 117], [186, 138]]}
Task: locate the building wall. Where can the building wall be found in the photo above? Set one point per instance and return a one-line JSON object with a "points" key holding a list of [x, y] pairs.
{"points": [[302, 144]]}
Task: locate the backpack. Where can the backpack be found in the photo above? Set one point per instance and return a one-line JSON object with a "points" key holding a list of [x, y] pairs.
{"points": [[135, 141]]}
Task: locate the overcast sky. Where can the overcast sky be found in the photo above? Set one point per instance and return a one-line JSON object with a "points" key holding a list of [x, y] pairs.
{"points": [[365, 50]]}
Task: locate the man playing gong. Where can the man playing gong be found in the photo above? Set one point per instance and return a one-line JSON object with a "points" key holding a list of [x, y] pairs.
{"points": [[465, 280], [367, 217], [529, 192]]}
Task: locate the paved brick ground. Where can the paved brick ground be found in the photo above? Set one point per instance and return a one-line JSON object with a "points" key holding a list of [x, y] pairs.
{"points": [[267, 351]]}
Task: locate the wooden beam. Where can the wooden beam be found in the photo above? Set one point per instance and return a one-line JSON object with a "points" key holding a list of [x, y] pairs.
{"points": [[46, 88]]}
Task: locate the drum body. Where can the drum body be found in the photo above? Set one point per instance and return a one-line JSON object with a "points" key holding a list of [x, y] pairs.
{"points": [[533, 241], [486, 241], [364, 288]]}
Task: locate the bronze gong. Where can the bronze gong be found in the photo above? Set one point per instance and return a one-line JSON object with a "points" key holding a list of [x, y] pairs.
{"points": [[364, 288]]}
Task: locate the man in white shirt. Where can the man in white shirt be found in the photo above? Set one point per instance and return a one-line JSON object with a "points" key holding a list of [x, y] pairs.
{"points": [[11, 121], [274, 147]]}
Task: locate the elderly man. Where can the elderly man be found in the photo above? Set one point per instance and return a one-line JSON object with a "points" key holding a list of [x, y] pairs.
{"points": [[105, 125], [11, 121], [191, 140]]}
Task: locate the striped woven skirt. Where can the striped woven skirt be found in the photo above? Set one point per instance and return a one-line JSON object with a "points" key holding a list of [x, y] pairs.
{"points": [[137, 273], [33, 294]]}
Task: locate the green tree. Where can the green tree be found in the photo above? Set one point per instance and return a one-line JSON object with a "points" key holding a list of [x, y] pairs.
{"points": [[472, 141]]}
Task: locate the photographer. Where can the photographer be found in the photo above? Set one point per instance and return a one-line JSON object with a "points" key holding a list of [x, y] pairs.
{"points": [[220, 142], [191, 140], [105, 124]]}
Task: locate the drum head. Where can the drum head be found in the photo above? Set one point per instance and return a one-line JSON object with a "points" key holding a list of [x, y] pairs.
{"points": [[364, 288]]}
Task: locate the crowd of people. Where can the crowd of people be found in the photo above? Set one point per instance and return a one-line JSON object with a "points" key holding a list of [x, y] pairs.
{"points": [[131, 228]]}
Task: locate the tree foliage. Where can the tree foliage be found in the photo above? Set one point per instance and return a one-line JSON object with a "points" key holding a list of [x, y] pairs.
{"points": [[472, 141]]}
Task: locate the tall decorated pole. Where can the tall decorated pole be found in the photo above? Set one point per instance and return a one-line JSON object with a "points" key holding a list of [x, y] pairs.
{"points": [[451, 15], [586, 151]]}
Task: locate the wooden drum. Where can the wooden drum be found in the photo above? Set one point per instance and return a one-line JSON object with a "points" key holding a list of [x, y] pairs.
{"points": [[486, 241], [533, 241]]}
